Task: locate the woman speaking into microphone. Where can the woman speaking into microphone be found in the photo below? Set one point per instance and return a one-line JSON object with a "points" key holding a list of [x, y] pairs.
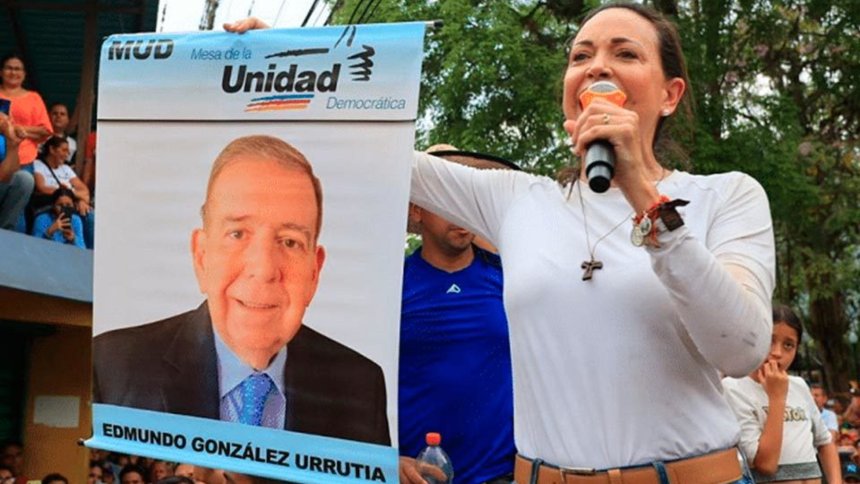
{"points": [[624, 306]]}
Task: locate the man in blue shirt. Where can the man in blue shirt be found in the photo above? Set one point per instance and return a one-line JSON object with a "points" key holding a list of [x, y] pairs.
{"points": [[455, 363]]}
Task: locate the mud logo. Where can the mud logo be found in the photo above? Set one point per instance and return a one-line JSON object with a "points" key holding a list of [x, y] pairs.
{"points": [[141, 49]]}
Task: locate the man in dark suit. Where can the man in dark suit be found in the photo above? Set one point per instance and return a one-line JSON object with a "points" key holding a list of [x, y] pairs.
{"points": [[243, 355]]}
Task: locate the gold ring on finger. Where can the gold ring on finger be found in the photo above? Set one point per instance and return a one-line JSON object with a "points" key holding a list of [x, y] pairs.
{"points": [[605, 118]]}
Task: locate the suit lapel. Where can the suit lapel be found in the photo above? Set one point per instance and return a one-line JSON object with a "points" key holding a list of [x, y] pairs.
{"points": [[293, 386], [190, 358]]}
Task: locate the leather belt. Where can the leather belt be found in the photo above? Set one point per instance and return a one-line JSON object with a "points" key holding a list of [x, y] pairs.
{"points": [[721, 467]]}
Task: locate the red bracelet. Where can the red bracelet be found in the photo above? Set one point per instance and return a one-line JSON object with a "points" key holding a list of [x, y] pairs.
{"points": [[646, 233], [652, 210], [660, 217]]}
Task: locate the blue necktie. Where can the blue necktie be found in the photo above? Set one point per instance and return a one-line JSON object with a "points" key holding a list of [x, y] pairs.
{"points": [[255, 390]]}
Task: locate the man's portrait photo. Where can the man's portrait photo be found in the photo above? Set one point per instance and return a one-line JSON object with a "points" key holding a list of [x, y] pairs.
{"points": [[244, 354]]}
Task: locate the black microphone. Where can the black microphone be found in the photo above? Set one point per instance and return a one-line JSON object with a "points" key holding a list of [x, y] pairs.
{"points": [[599, 165], [600, 154]]}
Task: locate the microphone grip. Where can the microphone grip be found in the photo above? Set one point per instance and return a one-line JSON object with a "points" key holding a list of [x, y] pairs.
{"points": [[599, 165]]}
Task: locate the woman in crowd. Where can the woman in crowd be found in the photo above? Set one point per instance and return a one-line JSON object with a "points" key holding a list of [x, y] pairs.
{"points": [[781, 427], [28, 111], [51, 172], [60, 223]]}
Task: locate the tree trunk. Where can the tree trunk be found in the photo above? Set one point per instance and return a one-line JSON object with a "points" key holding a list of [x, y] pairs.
{"points": [[828, 325]]}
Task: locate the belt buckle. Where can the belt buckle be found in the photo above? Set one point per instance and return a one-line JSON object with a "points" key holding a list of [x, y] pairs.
{"points": [[578, 471]]}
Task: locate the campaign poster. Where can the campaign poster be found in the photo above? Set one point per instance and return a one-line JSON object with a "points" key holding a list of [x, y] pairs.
{"points": [[253, 192]]}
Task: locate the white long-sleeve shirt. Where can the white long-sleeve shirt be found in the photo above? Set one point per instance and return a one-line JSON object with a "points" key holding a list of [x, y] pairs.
{"points": [[622, 369]]}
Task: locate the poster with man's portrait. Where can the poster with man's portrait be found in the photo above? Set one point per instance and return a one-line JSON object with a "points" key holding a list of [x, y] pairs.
{"points": [[252, 194]]}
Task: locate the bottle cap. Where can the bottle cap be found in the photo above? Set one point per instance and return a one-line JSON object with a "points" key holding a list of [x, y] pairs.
{"points": [[433, 438]]}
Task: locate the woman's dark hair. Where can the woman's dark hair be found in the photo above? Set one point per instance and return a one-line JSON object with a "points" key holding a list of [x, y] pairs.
{"points": [[61, 192], [53, 142], [673, 65], [132, 468], [54, 478], [175, 480], [12, 55], [784, 314]]}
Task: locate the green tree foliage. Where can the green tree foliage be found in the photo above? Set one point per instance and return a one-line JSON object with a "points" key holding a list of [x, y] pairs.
{"points": [[492, 75], [776, 93], [780, 101]]}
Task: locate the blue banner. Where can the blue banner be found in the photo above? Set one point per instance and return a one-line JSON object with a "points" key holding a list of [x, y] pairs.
{"points": [[224, 445], [355, 72]]}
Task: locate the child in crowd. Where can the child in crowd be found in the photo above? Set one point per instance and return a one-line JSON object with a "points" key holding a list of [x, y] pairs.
{"points": [[61, 223], [781, 427]]}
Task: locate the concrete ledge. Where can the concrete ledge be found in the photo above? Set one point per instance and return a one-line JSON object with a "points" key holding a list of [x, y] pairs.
{"points": [[45, 267]]}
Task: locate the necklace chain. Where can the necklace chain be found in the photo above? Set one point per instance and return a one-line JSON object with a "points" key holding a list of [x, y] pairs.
{"points": [[592, 264], [591, 248]]}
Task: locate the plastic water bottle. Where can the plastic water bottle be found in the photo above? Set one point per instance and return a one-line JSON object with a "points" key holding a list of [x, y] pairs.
{"points": [[434, 456]]}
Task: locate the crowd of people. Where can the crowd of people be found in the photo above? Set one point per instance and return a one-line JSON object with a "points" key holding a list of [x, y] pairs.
{"points": [[116, 468], [841, 414], [112, 468], [39, 162]]}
